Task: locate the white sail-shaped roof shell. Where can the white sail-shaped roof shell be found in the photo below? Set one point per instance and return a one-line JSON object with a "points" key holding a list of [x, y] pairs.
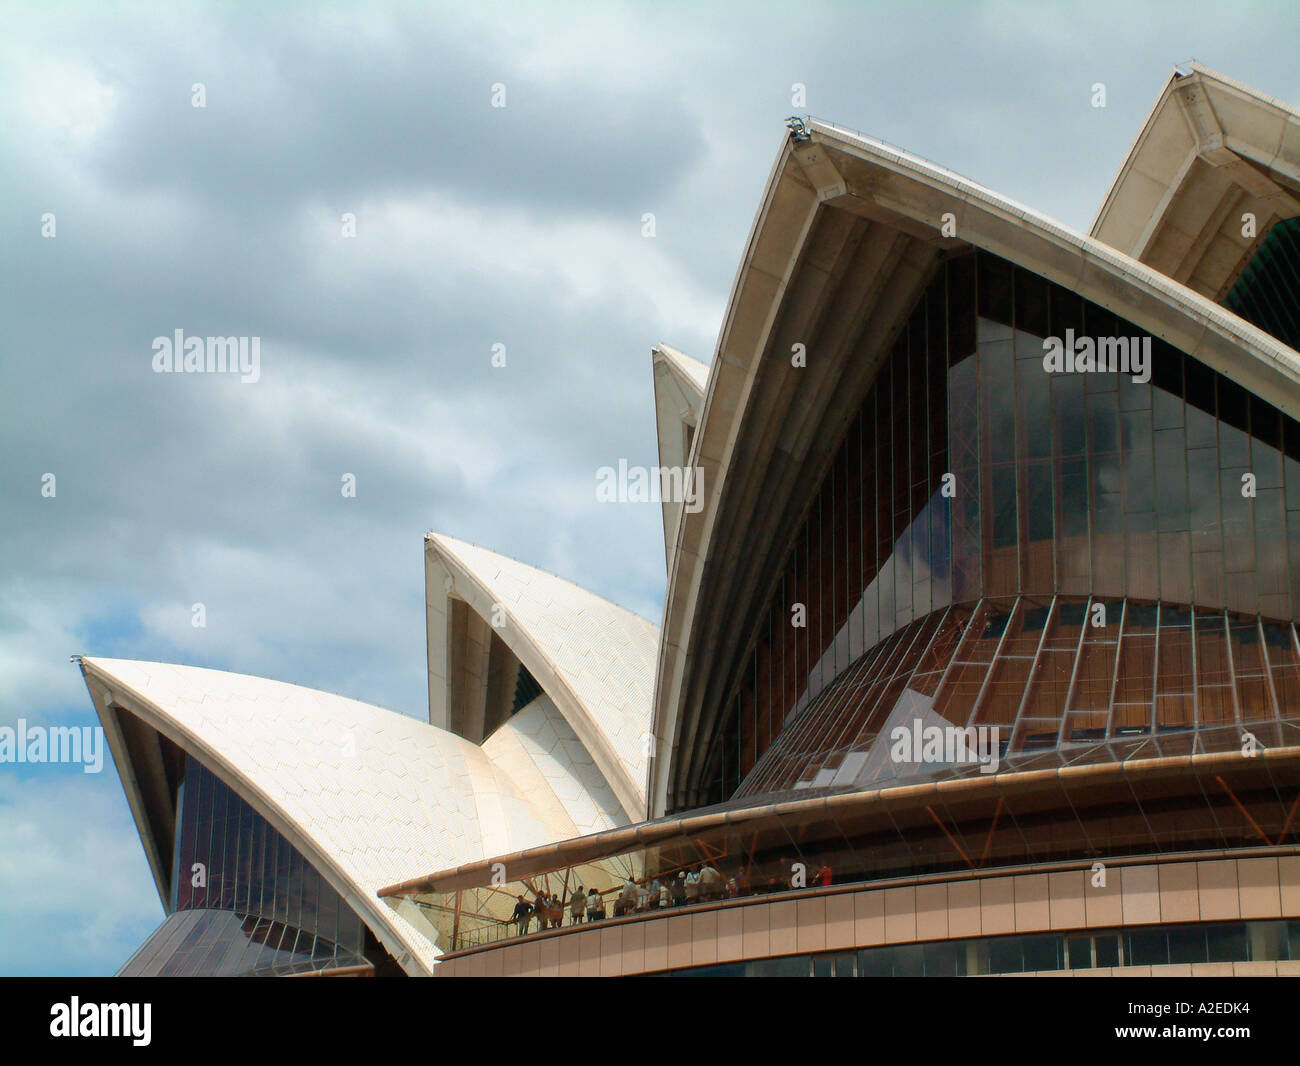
{"points": [[594, 659], [368, 796]]}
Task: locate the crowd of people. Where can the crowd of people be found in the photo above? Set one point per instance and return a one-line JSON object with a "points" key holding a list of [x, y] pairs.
{"points": [[701, 883]]}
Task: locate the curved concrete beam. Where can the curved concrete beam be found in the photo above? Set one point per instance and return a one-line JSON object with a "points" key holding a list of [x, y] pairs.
{"points": [[679, 383], [1210, 152]]}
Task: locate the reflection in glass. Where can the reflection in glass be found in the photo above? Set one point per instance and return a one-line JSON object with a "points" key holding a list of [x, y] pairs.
{"points": [[243, 899], [971, 474]]}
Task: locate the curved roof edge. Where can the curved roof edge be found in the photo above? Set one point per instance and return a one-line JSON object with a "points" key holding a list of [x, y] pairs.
{"points": [[1211, 151], [594, 659], [359, 791], [841, 205], [679, 383], [693, 374]]}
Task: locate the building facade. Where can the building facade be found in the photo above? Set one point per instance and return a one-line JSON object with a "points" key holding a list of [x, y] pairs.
{"points": [[978, 652]]}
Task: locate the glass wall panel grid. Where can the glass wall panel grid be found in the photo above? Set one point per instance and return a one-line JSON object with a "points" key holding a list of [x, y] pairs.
{"points": [[222, 944], [1144, 502], [231, 860], [1267, 293], [1140, 674]]}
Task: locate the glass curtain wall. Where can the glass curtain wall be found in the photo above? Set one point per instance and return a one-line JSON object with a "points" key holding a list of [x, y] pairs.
{"points": [[971, 472], [1268, 291], [1036, 675], [265, 907]]}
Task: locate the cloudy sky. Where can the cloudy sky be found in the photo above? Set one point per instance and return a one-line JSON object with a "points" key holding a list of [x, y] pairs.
{"points": [[475, 226]]}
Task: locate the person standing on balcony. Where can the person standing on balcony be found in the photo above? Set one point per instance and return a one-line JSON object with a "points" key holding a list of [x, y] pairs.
{"points": [[711, 883], [522, 913]]}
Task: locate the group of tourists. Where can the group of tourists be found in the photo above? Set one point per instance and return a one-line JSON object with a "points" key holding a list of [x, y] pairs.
{"points": [[701, 883]]}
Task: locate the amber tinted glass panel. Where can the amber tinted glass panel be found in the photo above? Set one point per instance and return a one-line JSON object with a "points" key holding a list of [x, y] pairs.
{"points": [[976, 469], [1028, 677]]}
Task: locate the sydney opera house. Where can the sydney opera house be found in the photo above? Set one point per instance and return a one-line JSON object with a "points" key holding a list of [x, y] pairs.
{"points": [[978, 654]]}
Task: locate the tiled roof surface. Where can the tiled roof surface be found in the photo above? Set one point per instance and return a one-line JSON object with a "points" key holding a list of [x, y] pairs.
{"points": [[603, 653], [377, 796], [538, 750], [692, 368]]}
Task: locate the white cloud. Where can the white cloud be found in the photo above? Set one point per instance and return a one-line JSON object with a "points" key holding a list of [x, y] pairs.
{"points": [[62, 100], [473, 227], [76, 890]]}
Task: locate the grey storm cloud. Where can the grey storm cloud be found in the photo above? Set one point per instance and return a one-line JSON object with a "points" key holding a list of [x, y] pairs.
{"points": [[474, 226], [303, 107]]}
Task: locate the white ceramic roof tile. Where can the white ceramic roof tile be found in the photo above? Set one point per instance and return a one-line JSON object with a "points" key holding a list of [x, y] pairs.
{"points": [[603, 653], [693, 370], [380, 797], [536, 748]]}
